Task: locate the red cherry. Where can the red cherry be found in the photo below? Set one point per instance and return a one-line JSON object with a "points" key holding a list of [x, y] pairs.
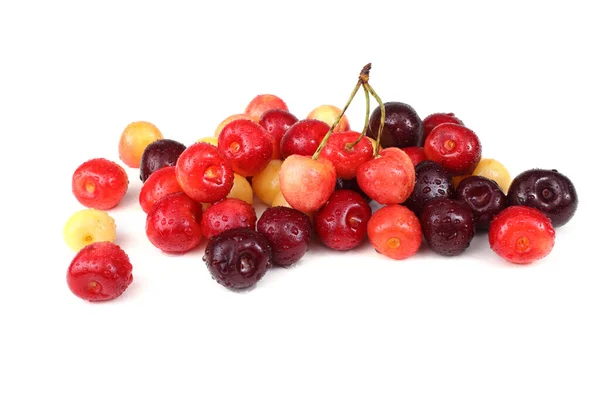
{"points": [[454, 146], [342, 222], [305, 183], [173, 223], [204, 173], [227, 214], [263, 103], [416, 154], [395, 231], [160, 183], [99, 183], [276, 122], [433, 120], [100, 271], [247, 146], [303, 137], [521, 234], [346, 160], [389, 178]]}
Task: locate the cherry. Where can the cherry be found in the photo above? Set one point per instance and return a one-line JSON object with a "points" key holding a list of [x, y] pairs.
{"points": [[276, 122], [173, 223], [100, 271], [416, 154], [329, 114], [395, 231], [159, 154], [454, 146], [341, 223], [494, 170], [305, 183], [204, 173], [227, 120], [99, 183], [247, 146], [346, 155], [448, 226], [547, 190], [431, 181], [266, 182], [433, 120], [351, 184], [303, 137], [238, 258], [389, 178], [484, 197], [134, 140], [263, 103], [288, 232], [521, 235], [402, 127], [158, 185], [227, 214]]}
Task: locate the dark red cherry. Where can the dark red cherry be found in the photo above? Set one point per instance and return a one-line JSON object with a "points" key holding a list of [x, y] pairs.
{"points": [[484, 197], [158, 154], [431, 181], [448, 226], [288, 232], [402, 128]]}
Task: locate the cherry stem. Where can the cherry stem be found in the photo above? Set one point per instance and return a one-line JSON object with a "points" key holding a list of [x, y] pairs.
{"points": [[382, 122], [362, 80], [349, 146]]}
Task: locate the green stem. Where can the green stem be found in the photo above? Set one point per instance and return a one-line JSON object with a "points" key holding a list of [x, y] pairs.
{"points": [[382, 122], [349, 146]]}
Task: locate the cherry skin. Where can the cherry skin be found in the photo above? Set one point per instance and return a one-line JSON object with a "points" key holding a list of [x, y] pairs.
{"points": [[204, 173], [521, 235], [100, 271], [158, 185], [288, 232], [546, 190], [305, 183], [433, 120], [227, 214], [402, 127], [395, 232], [134, 140], [416, 154], [99, 183], [303, 137], [159, 154], [276, 122], [351, 184], [328, 114], [484, 197], [173, 223], [247, 146], [341, 223], [263, 103], [448, 226], [431, 181], [388, 179], [238, 258], [227, 120], [347, 159], [454, 146]]}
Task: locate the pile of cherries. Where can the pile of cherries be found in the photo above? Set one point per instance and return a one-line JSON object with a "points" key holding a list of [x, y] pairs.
{"points": [[425, 179]]}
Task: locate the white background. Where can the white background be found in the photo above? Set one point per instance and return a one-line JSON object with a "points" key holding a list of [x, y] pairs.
{"points": [[523, 75]]}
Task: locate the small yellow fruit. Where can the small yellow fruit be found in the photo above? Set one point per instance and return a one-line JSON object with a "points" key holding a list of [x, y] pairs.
{"points": [[210, 140], [494, 170], [89, 226], [241, 189], [266, 182]]}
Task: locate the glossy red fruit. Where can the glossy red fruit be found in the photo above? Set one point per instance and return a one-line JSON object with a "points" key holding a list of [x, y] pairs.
{"points": [[347, 159], [276, 122], [395, 231], [263, 103], [454, 146], [99, 183], [305, 183], [173, 223], [303, 137], [341, 223], [521, 235], [389, 178], [158, 185], [159, 154], [227, 214], [100, 271], [416, 154], [204, 173], [288, 232], [247, 146], [433, 120], [238, 258]]}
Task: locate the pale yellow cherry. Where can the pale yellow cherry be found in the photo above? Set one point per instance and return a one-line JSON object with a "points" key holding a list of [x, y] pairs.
{"points": [[329, 114], [134, 140], [241, 189], [89, 226], [494, 170], [210, 140], [266, 182], [228, 120]]}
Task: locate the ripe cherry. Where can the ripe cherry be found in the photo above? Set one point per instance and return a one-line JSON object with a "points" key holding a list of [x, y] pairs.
{"points": [[433, 120], [402, 127], [158, 185], [484, 197], [159, 154], [288, 232], [345, 155], [247, 146], [431, 181], [306, 183], [263, 103], [416, 154], [448, 226], [99, 183], [303, 137], [454, 146], [395, 231], [276, 122], [227, 214]]}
